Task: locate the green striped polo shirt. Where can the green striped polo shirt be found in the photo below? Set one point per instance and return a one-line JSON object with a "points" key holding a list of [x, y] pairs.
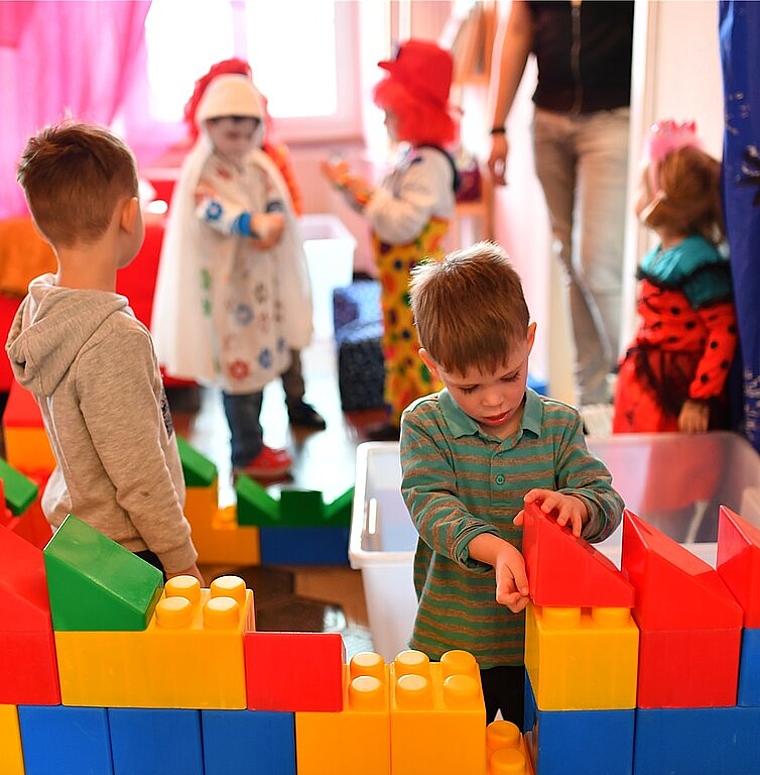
{"points": [[458, 482]]}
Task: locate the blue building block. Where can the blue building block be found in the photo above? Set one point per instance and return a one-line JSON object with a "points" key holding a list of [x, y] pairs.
{"points": [[697, 741], [749, 669], [303, 545], [579, 742], [156, 741], [248, 742], [64, 740]]}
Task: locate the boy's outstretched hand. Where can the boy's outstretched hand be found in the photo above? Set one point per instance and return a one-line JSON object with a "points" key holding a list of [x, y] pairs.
{"points": [[570, 510], [191, 571], [508, 564]]}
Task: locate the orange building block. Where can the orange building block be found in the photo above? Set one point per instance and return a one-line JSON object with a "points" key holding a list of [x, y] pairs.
{"points": [[356, 741], [581, 658], [505, 746], [438, 718], [11, 755], [190, 656]]}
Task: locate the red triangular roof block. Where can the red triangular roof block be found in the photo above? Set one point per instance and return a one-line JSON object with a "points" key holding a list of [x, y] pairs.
{"points": [[675, 589], [564, 570], [21, 410], [738, 562]]}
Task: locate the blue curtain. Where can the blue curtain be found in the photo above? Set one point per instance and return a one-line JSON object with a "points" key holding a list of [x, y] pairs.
{"points": [[740, 58]]}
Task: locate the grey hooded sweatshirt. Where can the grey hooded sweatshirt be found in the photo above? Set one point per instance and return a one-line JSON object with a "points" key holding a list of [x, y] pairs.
{"points": [[92, 368]]}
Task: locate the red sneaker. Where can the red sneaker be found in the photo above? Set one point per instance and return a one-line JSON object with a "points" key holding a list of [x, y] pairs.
{"points": [[268, 464]]}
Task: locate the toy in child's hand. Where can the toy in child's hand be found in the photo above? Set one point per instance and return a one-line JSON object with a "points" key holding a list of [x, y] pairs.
{"points": [[354, 188]]}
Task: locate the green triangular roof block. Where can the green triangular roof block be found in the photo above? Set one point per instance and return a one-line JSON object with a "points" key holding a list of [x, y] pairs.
{"points": [[339, 511], [301, 508], [95, 584], [198, 470], [255, 506], [20, 491]]}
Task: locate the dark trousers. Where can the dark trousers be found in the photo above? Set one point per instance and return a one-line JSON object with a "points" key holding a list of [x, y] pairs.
{"points": [[504, 690], [243, 412], [292, 380]]}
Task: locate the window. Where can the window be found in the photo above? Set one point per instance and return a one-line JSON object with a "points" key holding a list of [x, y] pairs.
{"points": [[303, 56]]}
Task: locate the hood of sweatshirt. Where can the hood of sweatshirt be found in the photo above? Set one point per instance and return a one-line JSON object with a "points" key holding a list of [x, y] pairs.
{"points": [[50, 329]]}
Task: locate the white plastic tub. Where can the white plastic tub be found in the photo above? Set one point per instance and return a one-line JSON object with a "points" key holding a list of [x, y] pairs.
{"points": [[675, 481]]}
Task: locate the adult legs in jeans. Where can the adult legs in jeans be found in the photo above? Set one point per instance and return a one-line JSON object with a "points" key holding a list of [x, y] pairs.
{"points": [[243, 412], [582, 164]]}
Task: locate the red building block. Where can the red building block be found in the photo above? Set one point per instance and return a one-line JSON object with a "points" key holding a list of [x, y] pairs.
{"points": [[738, 563], [564, 570], [293, 671], [689, 622], [28, 667]]}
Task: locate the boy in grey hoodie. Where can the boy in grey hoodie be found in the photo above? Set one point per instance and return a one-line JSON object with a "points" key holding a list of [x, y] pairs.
{"points": [[90, 364]]}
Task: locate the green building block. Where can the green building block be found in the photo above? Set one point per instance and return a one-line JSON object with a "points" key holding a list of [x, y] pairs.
{"points": [[301, 508], [20, 491], [339, 511], [198, 470], [95, 584], [255, 506]]}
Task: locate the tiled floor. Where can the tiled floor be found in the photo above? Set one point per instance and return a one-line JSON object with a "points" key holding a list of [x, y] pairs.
{"points": [[303, 598]]}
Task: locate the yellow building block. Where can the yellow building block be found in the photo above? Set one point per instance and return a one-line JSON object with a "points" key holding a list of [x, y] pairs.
{"points": [[438, 717], [582, 658], [216, 533], [355, 741], [11, 755], [28, 449], [505, 746], [190, 656]]}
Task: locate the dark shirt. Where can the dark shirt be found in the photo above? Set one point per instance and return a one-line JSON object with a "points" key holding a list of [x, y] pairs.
{"points": [[583, 54]]}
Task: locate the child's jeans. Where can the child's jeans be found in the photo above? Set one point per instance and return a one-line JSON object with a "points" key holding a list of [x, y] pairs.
{"points": [[243, 412]]}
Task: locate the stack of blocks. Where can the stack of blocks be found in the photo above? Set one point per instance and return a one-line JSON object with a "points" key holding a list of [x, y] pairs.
{"points": [[106, 670]]}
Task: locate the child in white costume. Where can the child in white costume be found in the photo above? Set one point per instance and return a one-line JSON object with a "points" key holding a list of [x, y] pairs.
{"points": [[232, 294]]}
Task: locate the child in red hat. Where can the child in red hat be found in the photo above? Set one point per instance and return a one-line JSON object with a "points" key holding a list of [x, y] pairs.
{"points": [[409, 213]]}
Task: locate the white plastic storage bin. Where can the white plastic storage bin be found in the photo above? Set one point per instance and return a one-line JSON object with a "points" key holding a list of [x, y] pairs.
{"points": [[381, 544], [675, 481]]}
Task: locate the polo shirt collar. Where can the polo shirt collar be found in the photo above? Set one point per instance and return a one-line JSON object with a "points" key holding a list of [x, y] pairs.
{"points": [[461, 424]]}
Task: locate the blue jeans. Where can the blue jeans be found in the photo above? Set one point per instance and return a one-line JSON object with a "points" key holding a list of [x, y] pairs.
{"points": [[582, 164], [243, 412]]}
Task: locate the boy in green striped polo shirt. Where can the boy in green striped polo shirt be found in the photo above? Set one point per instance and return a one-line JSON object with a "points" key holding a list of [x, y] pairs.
{"points": [[474, 454]]}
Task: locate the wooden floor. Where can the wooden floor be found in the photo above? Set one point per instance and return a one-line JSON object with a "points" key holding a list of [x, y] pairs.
{"points": [[299, 598]]}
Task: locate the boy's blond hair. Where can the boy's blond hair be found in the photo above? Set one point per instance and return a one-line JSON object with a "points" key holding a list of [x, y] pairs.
{"points": [[73, 175], [469, 309]]}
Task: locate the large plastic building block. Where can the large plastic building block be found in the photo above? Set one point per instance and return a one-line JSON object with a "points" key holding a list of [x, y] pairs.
{"points": [[28, 667], [26, 444], [190, 656], [97, 584], [20, 491], [564, 570], [738, 562], [748, 693], [216, 534], [505, 749], [579, 742], [689, 622], [156, 741], [697, 741], [356, 741], [581, 659], [198, 470], [248, 742], [11, 756], [255, 506], [32, 526], [438, 718], [675, 589], [303, 545], [292, 671], [65, 741]]}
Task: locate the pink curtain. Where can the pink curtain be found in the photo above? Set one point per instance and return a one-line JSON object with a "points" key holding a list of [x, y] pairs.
{"points": [[58, 58]]}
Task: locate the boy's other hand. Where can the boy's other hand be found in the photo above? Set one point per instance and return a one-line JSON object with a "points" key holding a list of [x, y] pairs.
{"points": [[569, 510], [511, 580]]}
